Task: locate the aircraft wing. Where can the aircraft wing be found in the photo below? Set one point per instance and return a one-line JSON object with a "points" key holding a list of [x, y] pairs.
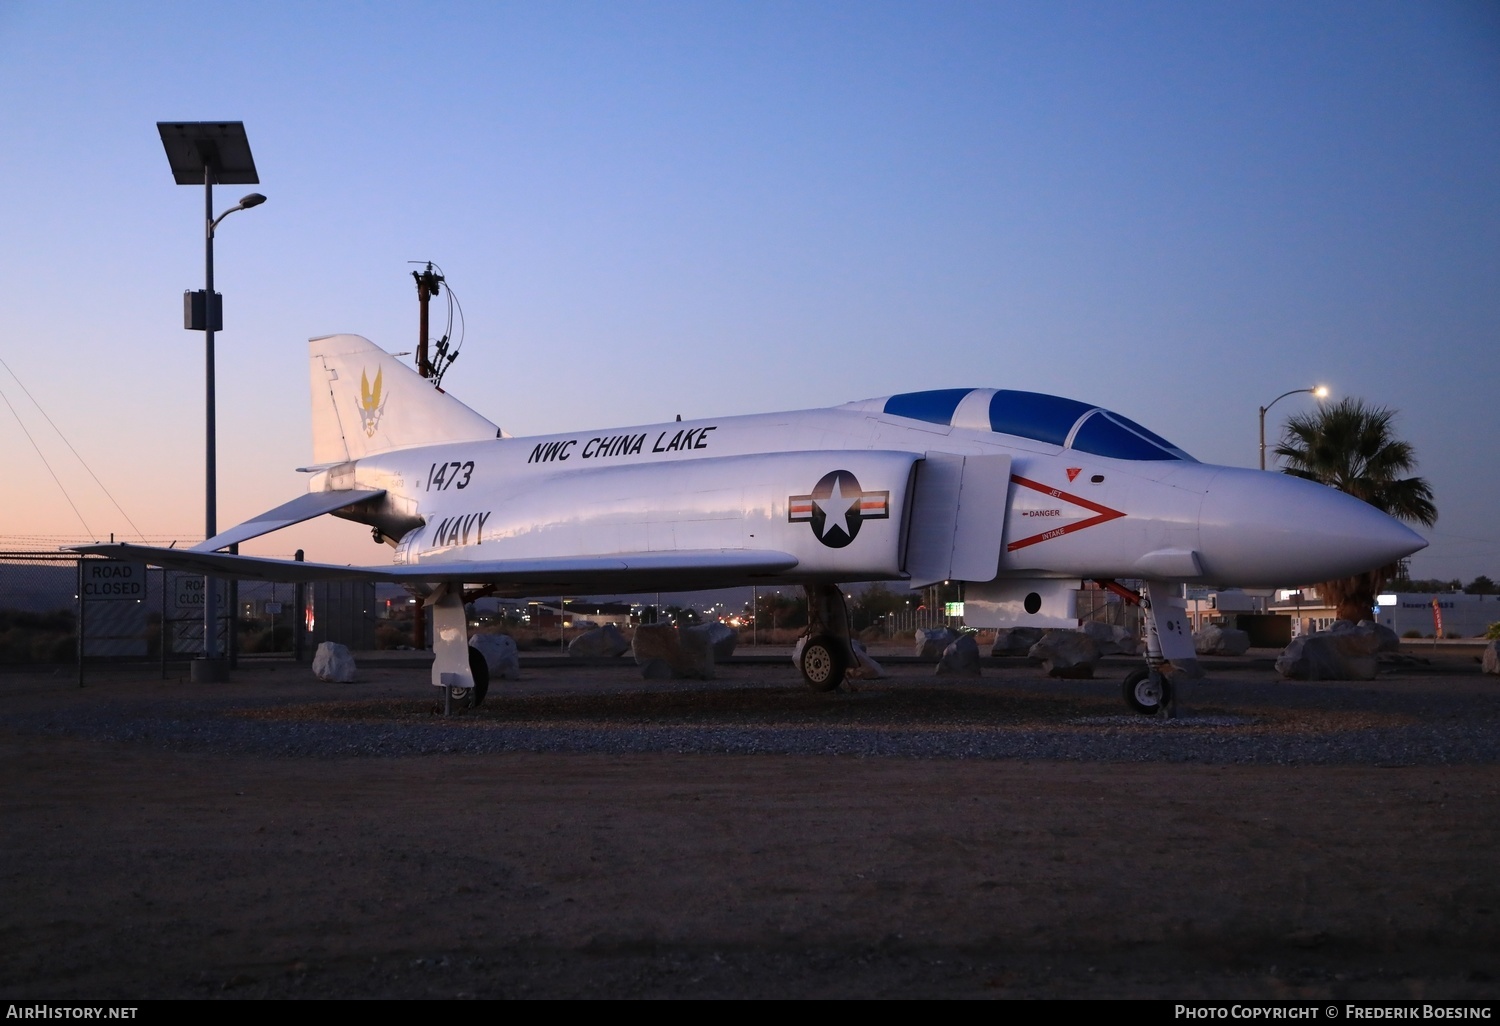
{"points": [[303, 507], [626, 571]]}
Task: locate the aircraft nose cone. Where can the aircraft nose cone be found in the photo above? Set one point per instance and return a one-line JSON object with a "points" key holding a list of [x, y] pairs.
{"points": [[1262, 529]]}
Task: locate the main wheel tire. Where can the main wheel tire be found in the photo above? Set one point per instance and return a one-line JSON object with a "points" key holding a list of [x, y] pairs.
{"points": [[825, 659], [1145, 692], [470, 698], [480, 668]]}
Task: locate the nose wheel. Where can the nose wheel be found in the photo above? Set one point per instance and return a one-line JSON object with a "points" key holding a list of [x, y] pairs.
{"points": [[1148, 691]]}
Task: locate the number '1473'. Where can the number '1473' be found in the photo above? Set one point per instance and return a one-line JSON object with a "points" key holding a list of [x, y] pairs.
{"points": [[442, 476]]}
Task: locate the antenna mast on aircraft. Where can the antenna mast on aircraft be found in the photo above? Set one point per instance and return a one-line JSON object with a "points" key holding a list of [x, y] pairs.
{"points": [[428, 285], [430, 366]]}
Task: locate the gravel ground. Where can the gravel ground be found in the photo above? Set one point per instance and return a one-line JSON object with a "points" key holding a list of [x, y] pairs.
{"points": [[1241, 714], [587, 833]]}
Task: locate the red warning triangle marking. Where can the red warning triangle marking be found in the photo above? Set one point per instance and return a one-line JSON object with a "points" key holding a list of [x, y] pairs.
{"points": [[1105, 514]]}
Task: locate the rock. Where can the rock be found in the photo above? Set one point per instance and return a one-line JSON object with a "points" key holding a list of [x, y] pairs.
{"points": [[1490, 662], [932, 641], [1184, 669], [1015, 641], [1345, 651], [500, 655], [1111, 640], [1218, 640], [1070, 654], [721, 638], [864, 667], [656, 669], [600, 643], [685, 653], [960, 658], [333, 662], [1390, 641], [697, 654]]}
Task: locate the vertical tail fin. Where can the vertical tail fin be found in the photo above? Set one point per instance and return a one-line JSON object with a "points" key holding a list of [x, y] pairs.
{"points": [[365, 401]]}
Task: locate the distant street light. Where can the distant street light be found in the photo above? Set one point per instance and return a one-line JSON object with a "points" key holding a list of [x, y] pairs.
{"points": [[209, 152], [1321, 391]]}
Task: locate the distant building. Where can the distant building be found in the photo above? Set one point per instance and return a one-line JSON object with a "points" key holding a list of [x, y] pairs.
{"points": [[1462, 616]]}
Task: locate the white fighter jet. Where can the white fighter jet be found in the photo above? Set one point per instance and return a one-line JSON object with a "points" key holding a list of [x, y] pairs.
{"points": [[1020, 495]]}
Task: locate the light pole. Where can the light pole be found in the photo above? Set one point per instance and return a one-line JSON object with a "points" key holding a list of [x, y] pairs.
{"points": [[1321, 391], [209, 152]]}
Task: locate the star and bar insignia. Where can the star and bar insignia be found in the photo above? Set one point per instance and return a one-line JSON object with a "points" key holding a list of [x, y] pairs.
{"points": [[836, 507]]}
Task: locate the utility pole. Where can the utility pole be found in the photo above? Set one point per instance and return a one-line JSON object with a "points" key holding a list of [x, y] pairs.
{"points": [[428, 284]]}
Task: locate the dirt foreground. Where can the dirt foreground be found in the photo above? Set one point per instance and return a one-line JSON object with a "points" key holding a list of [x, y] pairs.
{"points": [[151, 868]]}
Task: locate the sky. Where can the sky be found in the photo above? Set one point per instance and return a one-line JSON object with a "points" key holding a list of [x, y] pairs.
{"points": [[1175, 210]]}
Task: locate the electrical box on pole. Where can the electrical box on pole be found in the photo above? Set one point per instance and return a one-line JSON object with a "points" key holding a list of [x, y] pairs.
{"points": [[195, 311]]}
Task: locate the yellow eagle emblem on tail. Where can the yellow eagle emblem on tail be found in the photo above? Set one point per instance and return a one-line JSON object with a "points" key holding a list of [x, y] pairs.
{"points": [[371, 401]]}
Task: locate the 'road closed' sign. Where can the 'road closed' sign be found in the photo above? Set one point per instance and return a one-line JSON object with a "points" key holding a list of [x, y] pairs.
{"points": [[107, 579], [188, 596]]}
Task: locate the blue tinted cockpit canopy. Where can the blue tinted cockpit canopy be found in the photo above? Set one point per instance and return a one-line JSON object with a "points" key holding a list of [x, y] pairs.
{"points": [[1051, 419]]}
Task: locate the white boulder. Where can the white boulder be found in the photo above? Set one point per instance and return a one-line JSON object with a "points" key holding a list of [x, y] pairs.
{"points": [[1015, 641], [1069, 654], [864, 668], [1112, 640], [333, 662], [932, 641], [500, 654], [960, 658], [1390, 641], [721, 638], [600, 643], [684, 653], [1218, 640], [1345, 651]]}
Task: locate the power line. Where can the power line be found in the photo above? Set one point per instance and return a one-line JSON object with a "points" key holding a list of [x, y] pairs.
{"points": [[69, 444], [87, 529]]}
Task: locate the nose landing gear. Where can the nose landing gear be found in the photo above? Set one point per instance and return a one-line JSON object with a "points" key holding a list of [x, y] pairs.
{"points": [[1169, 647], [1149, 692]]}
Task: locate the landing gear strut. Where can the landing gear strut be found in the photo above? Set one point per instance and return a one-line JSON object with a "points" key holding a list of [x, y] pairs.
{"points": [[825, 656], [461, 671]]}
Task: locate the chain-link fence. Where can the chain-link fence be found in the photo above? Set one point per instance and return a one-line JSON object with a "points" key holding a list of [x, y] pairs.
{"points": [[128, 611]]}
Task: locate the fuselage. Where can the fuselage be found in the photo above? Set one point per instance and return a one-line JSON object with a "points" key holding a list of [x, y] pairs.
{"points": [[847, 490]]}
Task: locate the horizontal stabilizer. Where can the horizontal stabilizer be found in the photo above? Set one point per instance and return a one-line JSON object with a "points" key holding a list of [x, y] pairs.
{"points": [[304, 507], [626, 571]]}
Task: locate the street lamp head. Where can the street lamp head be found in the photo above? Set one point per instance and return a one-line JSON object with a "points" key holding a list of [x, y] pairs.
{"points": [[255, 199], [1318, 391]]}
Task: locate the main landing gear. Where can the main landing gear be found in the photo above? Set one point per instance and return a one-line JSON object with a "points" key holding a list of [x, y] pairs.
{"points": [[470, 698], [825, 654], [459, 669]]}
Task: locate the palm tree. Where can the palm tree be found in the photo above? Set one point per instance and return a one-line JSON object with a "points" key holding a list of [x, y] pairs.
{"points": [[1349, 446]]}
